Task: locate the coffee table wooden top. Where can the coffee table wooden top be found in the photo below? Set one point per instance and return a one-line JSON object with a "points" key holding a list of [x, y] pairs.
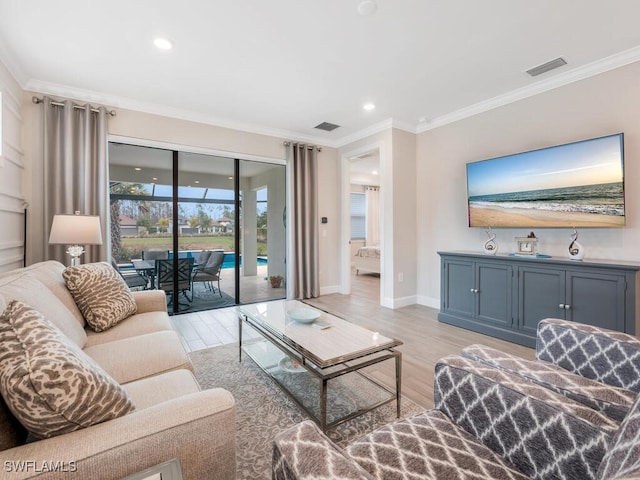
{"points": [[341, 342]]}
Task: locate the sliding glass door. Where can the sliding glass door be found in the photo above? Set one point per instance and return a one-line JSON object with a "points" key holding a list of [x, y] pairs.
{"points": [[262, 231], [165, 201]]}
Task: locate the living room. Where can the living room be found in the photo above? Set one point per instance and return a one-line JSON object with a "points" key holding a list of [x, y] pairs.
{"points": [[423, 192]]}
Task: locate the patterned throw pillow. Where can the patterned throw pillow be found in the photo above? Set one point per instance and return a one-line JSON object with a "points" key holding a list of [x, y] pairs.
{"points": [[101, 294], [49, 384]]}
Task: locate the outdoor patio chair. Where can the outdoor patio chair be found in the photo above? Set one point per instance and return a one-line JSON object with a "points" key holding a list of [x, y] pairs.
{"points": [[210, 271], [164, 276], [203, 256], [155, 254], [131, 277]]}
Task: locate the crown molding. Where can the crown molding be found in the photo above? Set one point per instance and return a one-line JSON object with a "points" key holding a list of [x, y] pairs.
{"points": [[365, 132], [580, 73], [115, 101], [11, 65], [606, 64], [382, 126]]}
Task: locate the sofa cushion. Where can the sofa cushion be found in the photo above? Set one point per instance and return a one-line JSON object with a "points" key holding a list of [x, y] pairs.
{"points": [[138, 324], [141, 356], [622, 460], [28, 289], [101, 294], [612, 401], [12, 433], [161, 388], [428, 446], [49, 384], [50, 274]]}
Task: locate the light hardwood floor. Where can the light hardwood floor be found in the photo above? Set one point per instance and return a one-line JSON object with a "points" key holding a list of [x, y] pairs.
{"points": [[425, 339]]}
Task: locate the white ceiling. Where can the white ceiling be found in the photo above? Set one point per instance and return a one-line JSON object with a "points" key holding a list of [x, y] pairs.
{"points": [[283, 66]]}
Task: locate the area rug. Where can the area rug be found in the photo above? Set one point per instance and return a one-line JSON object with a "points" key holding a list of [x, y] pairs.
{"points": [[263, 409], [203, 299]]}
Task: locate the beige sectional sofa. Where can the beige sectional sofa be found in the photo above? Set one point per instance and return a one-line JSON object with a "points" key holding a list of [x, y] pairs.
{"points": [[173, 418]]}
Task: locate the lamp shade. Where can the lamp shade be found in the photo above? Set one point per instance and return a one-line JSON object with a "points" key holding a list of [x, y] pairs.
{"points": [[76, 230]]}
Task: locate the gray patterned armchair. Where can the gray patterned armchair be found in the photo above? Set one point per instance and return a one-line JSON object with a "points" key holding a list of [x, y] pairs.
{"points": [[494, 422]]}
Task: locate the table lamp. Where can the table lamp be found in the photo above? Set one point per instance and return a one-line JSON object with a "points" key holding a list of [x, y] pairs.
{"points": [[75, 230]]}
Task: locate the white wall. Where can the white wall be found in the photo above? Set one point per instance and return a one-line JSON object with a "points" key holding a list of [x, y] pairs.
{"points": [[605, 104], [423, 177], [404, 218], [12, 186], [398, 272]]}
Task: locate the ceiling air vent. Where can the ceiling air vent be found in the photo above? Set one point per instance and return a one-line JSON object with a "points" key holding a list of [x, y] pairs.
{"points": [[326, 126], [545, 67]]}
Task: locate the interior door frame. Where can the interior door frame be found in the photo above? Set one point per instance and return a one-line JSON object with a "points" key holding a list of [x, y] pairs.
{"points": [[345, 217]]}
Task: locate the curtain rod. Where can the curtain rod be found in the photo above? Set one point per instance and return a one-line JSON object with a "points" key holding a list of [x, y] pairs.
{"points": [[286, 143], [37, 100]]}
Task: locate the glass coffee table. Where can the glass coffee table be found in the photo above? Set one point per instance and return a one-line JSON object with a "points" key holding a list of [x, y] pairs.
{"points": [[320, 368]]}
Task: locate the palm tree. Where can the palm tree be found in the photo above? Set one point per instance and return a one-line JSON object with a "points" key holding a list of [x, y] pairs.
{"points": [[120, 188]]}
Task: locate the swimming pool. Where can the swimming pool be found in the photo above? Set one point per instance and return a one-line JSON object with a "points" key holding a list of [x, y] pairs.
{"points": [[229, 260]]}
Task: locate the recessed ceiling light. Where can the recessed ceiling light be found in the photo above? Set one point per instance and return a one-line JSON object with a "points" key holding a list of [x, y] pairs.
{"points": [[137, 169], [163, 43], [197, 181], [375, 172], [367, 7], [154, 178], [369, 106], [230, 178]]}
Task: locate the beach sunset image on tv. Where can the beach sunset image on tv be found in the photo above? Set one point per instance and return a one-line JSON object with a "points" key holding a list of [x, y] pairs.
{"points": [[579, 184]]}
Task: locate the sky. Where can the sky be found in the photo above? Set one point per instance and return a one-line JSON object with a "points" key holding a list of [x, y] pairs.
{"points": [[588, 162]]}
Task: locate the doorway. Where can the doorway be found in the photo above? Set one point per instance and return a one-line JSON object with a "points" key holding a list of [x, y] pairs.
{"points": [[165, 201], [362, 253]]}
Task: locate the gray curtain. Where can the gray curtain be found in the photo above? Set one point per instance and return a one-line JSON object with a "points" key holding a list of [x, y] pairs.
{"points": [[303, 278], [75, 170]]}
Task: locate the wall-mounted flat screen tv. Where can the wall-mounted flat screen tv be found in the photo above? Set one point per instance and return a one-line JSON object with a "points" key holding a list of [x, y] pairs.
{"points": [[579, 184]]}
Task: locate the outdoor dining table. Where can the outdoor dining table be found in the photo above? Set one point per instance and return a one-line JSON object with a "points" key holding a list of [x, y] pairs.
{"points": [[148, 269]]}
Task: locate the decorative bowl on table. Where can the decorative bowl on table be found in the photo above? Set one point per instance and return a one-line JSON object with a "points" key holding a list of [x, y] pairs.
{"points": [[289, 365], [302, 315]]}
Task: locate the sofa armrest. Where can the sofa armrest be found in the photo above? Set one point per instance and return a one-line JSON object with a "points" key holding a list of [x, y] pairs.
{"points": [[614, 402], [597, 353], [198, 429], [150, 301], [542, 433], [304, 452]]}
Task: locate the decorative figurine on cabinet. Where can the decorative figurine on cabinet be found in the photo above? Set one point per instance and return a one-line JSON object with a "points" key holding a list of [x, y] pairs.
{"points": [[576, 250], [527, 246], [490, 247]]}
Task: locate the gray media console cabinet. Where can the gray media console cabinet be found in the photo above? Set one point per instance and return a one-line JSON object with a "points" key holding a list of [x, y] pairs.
{"points": [[506, 296]]}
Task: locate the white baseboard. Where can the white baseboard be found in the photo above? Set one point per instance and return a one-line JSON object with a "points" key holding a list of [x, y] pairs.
{"points": [[428, 301], [399, 302], [329, 289]]}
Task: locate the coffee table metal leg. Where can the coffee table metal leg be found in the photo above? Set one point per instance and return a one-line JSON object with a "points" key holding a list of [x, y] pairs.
{"points": [[239, 338], [398, 381], [323, 405]]}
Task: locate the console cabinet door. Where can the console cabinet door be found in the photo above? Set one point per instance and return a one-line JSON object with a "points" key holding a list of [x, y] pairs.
{"points": [[507, 297], [596, 299], [457, 288], [493, 293], [541, 294]]}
